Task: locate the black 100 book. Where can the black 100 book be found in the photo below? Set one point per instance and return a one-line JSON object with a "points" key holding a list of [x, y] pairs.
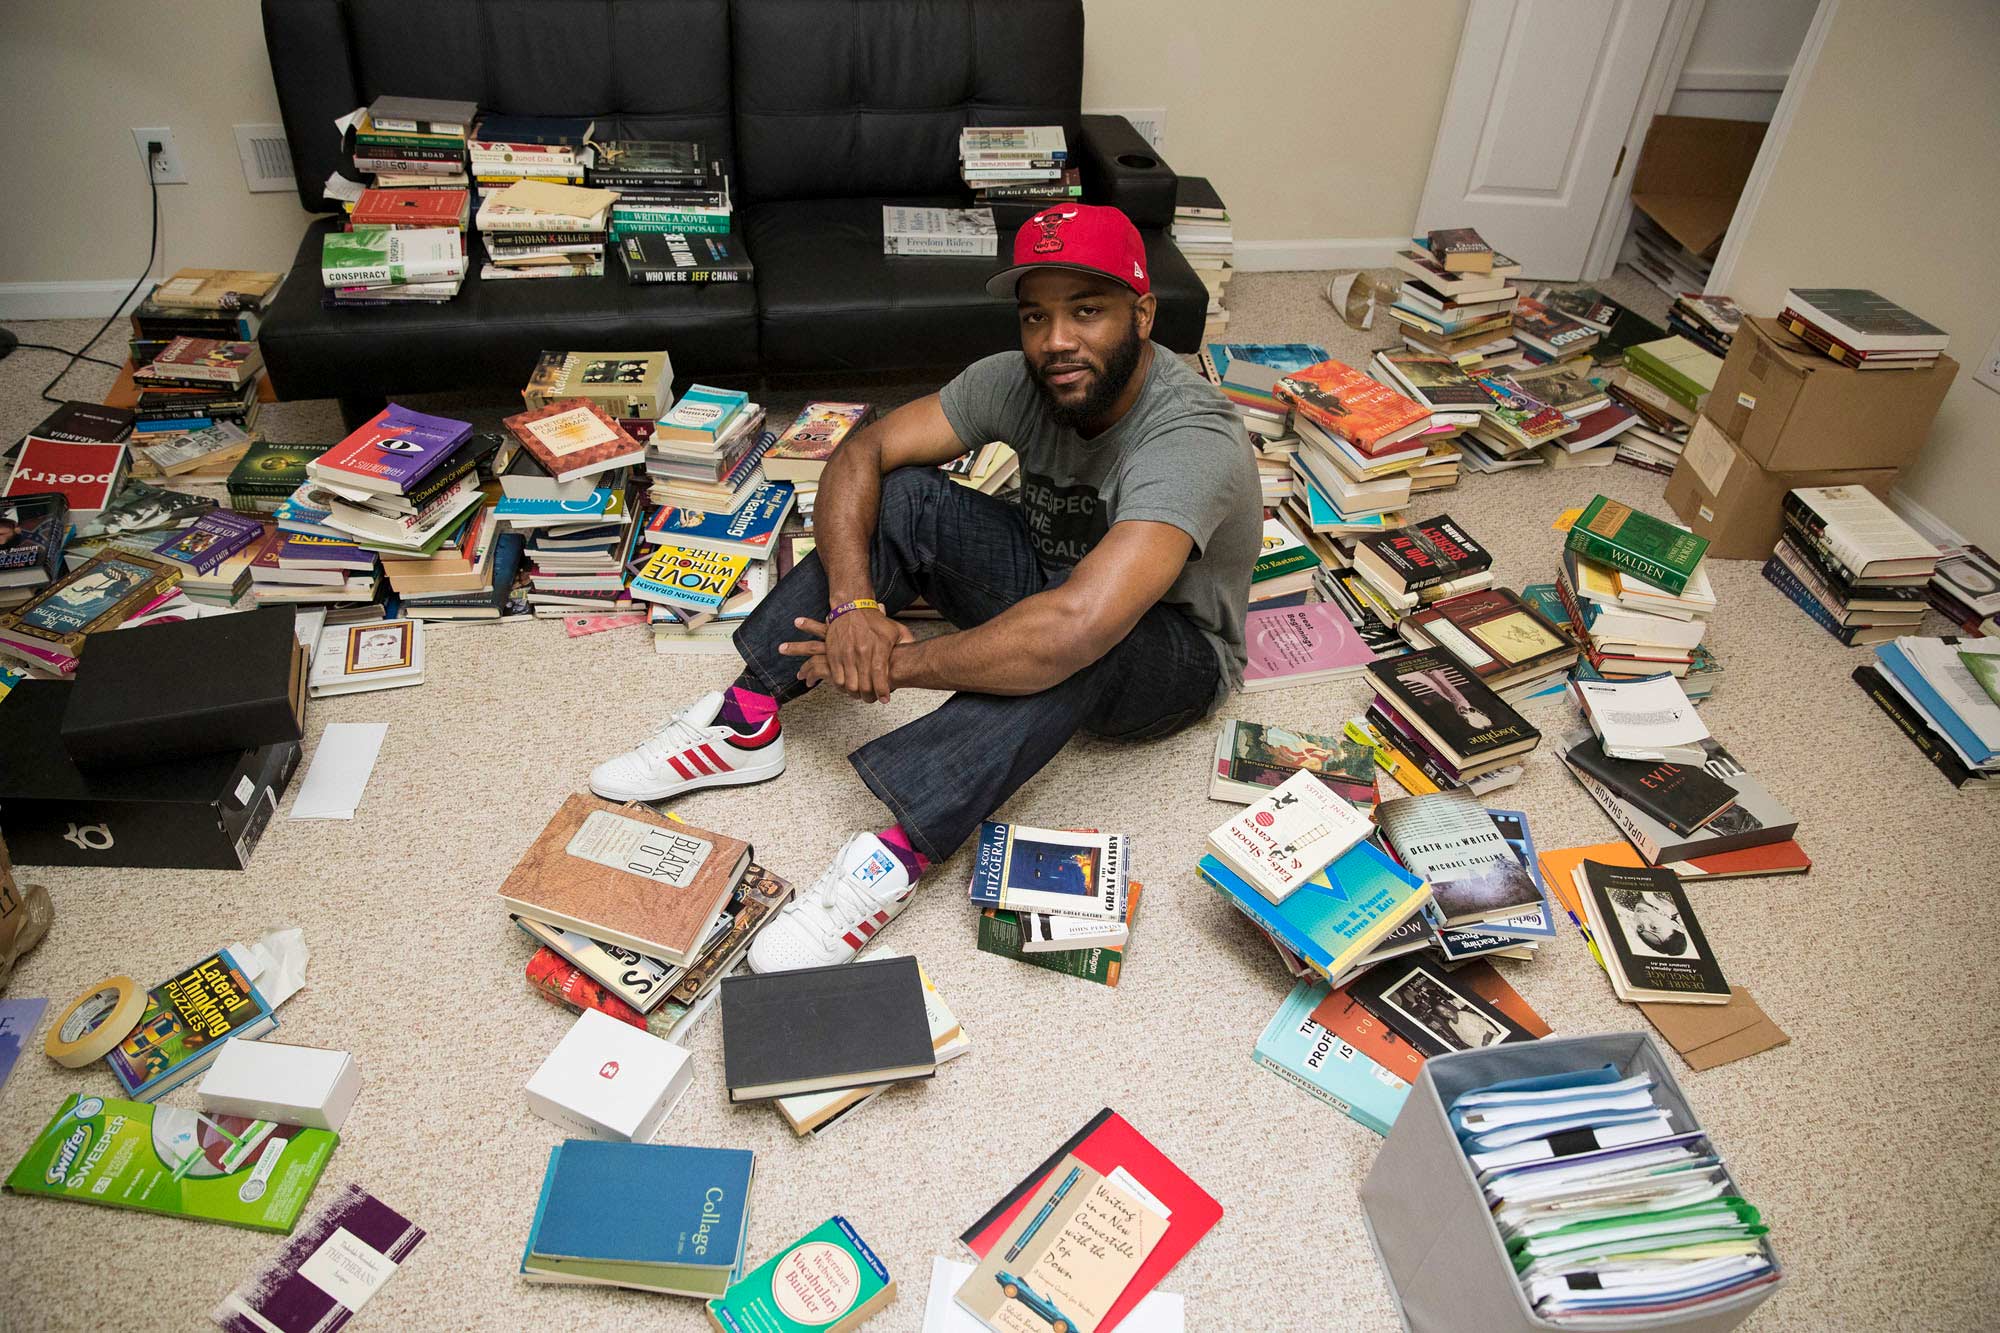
{"points": [[167, 691], [1657, 952], [1444, 700], [1682, 796], [1427, 553], [846, 1026]]}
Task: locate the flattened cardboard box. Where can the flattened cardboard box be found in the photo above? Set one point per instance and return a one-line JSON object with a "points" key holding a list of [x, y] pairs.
{"points": [[1722, 494], [1691, 172], [1790, 408]]}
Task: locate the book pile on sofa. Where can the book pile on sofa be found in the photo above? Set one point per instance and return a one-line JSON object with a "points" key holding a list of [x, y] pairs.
{"points": [[506, 149], [414, 142], [409, 210], [379, 266], [1638, 595], [664, 187], [1018, 164], [537, 229], [1455, 298], [1851, 564]]}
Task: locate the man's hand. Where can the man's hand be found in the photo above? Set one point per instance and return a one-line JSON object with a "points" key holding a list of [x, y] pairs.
{"points": [[853, 652]]}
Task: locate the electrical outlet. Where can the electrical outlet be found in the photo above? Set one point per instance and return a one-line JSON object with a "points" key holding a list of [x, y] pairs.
{"points": [[1988, 372], [167, 163], [1150, 121]]}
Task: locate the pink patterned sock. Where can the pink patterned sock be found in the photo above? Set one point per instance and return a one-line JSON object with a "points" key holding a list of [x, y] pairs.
{"points": [[898, 842], [745, 710]]}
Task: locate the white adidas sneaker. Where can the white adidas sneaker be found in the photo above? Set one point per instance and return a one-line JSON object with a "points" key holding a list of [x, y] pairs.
{"points": [[860, 893], [691, 752]]}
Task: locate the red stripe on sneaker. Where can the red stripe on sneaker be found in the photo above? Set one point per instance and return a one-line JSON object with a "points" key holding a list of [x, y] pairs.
{"points": [[679, 767], [852, 941], [881, 918], [715, 759], [867, 928], [694, 762]]}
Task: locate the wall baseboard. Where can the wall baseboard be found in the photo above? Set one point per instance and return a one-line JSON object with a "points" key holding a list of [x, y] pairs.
{"points": [[1326, 253], [1934, 529], [63, 300]]}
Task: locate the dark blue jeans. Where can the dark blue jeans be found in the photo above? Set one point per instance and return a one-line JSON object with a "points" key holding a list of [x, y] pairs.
{"points": [[970, 556]]}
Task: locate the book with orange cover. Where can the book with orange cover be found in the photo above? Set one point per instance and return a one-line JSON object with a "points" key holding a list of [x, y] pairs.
{"points": [[574, 437], [1346, 1018], [1366, 413], [624, 875]]}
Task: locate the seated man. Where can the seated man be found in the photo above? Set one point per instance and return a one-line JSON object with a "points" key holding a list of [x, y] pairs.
{"points": [[1109, 598]]}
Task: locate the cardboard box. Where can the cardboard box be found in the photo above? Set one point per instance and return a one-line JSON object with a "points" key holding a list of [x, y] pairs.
{"points": [[1691, 172], [201, 813], [1791, 408], [1724, 495], [293, 1085], [609, 1080], [1446, 1264]]}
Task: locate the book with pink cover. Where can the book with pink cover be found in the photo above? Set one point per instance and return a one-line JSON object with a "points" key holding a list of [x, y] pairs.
{"points": [[1301, 645]]}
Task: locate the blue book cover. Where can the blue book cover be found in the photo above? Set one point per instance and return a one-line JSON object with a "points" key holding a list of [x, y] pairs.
{"points": [[1284, 358], [751, 530], [554, 131], [702, 413], [594, 505], [649, 1203], [1788, 583], [1936, 710], [989, 866], [1304, 1053], [1336, 916]]}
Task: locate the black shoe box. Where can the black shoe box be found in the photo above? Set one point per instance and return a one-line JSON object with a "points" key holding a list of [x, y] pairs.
{"points": [[205, 812]]}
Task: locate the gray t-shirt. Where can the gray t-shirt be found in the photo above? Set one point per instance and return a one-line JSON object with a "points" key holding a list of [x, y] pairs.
{"points": [[1180, 456]]}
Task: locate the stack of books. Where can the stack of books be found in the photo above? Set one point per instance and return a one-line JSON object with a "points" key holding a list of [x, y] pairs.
{"points": [[668, 187], [1201, 233], [1666, 382], [579, 551], [196, 384], [47, 631], [226, 305], [1421, 563], [1580, 396], [1851, 564], [750, 531], [414, 141], [802, 450], [303, 561], [374, 266], [1709, 322], [1363, 449], [1548, 336], [536, 229], [1664, 261], [709, 440], [646, 937], [816, 1112], [1965, 588], [1285, 569], [936, 232], [1504, 639], [1437, 714], [1862, 329], [991, 469], [1637, 595], [410, 210], [1513, 427], [1456, 299], [34, 529], [1060, 899], [506, 149], [400, 484], [1671, 811], [1247, 374], [213, 555], [1020, 164], [1945, 696]]}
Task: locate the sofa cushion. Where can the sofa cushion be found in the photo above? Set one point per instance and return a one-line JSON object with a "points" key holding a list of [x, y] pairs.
{"points": [[839, 100], [492, 333], [830, 300]]}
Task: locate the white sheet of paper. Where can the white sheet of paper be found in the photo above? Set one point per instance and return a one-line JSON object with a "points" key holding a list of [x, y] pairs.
{"points": [[340, 768], [1159, 1312]]}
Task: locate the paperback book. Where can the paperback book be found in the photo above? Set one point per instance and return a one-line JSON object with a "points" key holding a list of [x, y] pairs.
{"points": [[337, 1259], [1004, 933], [1299, 1050], [1339, 916], [648, 1216], [1658, 952], [1429, 1008], [828, 1281], [1021, 868], [1448, 839], [1251, 758], [1288, 835]]}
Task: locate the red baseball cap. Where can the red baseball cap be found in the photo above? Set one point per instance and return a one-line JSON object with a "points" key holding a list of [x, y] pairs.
{"points": [[1090, 238]]}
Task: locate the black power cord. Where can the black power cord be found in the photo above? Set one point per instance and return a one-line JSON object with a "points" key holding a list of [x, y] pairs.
{"points": [[153, 150]]}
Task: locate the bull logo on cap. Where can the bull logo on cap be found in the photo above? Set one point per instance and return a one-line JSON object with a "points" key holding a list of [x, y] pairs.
{"points": [[1051, 239]]}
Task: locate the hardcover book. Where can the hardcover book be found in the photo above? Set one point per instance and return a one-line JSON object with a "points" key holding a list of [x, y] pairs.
{"points": [[1005, 933], [802, 451], [1852, 527], [574, 437], [815, 1112], [624, 384], [827, 1281], [650, 1216], [846, 1026], [1429, 1008], [1866, 320], [1299, 1050], [216, 289], [33, 530], [186, 1019], [626, 876], [1339, 916], [1253, 757], [1072, 873], [683, 257], [393, 451], [1288, 835], [1615, 534], [269, 471], [1686, 372], [1658, 951], [1493, 631], [213, 538], [1425, 554], [1368, 414], [335, 1261], [1680, 795], [1445, 701], [175, 1160], [85, 475], [412, 208], [1448, 839]]}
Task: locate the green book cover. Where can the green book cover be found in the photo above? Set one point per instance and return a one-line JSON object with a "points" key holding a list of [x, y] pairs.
{"points": [[1283, 553], [1000, 933], [170, 1159], [270, 468], [1678, 367], [1620, 536], [826, 1281]]}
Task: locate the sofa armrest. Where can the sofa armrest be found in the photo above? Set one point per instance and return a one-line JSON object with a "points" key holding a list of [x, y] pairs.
{"points": [[1121, 169]]}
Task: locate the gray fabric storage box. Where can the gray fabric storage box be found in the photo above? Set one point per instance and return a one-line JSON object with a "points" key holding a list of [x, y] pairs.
{"points": [[1428, 1220]]}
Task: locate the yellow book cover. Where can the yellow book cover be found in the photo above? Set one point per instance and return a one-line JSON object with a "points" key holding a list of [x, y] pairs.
{"points": [[686, 577]]}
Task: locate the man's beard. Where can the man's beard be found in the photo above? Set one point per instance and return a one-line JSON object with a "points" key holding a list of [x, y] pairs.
{"points": [[1104, 388]]}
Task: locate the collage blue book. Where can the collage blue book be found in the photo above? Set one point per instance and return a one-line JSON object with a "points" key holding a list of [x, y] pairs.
{"points": [[644, 1203], [1336, 916], [1306, 1054]]}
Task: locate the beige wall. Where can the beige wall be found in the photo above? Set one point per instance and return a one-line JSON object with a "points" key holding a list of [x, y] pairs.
{"points": [[1890, 180], [1315, 120]]}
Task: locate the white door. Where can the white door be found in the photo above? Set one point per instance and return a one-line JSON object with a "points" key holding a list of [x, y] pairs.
{"points": [[1541, 99]]}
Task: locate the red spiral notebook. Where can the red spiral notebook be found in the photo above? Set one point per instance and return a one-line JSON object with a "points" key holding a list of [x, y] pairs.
{"points": [[1106, 1143]]}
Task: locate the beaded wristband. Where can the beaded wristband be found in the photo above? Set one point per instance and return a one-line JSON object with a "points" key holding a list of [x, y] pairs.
{"points": [[858, 604]]}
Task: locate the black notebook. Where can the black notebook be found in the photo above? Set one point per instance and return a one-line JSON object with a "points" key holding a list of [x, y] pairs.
{"points": [[846, 1026], [159, 692]]}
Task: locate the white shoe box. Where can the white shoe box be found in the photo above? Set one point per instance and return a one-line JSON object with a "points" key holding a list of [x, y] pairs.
{"points": [[292, 1085], [609, 1080]]}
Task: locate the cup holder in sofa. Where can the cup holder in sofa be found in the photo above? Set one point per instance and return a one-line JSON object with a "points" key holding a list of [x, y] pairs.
{"points": [[1138, 161]]}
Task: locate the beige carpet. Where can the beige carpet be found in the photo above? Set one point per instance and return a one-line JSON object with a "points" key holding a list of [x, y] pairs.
{"points": [[1867, 1141]]}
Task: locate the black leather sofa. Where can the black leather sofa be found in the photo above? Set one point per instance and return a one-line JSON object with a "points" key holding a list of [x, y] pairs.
{"points": [[824, 110]]}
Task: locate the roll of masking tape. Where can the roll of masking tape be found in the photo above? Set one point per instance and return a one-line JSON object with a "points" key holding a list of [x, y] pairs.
{"points": [[96, 1022]]}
